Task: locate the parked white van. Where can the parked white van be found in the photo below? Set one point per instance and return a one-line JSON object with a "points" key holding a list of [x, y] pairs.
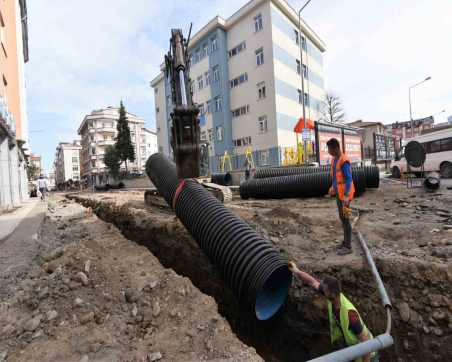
{"points": [[438, 148]]}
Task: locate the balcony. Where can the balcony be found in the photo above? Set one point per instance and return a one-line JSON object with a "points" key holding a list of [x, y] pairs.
{"points": [[6, 118], [106, 142], [106, 130]]}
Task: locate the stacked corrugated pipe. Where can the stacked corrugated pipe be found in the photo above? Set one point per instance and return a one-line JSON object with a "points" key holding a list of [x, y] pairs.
{"points": [[250, 265], [302, 182], [224, 179]]}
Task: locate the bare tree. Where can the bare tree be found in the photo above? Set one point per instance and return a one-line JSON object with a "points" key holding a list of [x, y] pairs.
{"points": [[332, 110]]}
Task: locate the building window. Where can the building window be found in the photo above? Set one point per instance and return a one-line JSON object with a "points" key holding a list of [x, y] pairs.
{"points": [[305, 71], [258, 23], [240, 111], [218, 104], [74, 159], [208, 80], [200, 83], [220, 133], [297, 38], [300, 100], [214, 44], [261, 90], [303, 42], [306, 100], [260, 56], [238, 49], [210, 132], [262, 124], [203, 135], [156, 90], [216, 73], [201, 108], [244, 141], [298, 66], [157, 109], [239, 80], [74, 168], [204, 50], [209, 106], [192, 87]]}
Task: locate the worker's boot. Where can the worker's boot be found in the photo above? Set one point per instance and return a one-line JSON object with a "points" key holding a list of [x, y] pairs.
{"points": [[344, 250]]}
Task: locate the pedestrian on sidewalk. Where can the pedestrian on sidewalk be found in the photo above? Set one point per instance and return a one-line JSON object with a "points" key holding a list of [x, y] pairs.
{"points": [[342, 189], [346, 326], [42, 186]]}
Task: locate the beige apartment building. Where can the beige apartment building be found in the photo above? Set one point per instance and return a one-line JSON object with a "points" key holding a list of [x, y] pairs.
{"points": [[97, 131], [67, 162], [13, 118]]}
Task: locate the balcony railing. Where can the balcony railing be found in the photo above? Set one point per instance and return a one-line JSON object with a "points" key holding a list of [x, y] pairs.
{"points": [[105, 142], [6, 117]]}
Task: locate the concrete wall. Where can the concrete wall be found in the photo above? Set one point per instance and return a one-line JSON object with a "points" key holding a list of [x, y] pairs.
{"points": [[13, 177]]}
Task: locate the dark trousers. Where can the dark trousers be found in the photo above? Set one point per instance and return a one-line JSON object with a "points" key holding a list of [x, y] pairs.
{"points": [[347, 226]]}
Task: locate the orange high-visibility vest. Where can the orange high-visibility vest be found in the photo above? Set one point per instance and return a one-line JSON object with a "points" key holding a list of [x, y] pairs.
{"points": [[340, 179]]}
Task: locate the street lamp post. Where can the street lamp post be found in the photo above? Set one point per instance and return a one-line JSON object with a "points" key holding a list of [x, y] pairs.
{"points": [[409, 102], [300, 45]]}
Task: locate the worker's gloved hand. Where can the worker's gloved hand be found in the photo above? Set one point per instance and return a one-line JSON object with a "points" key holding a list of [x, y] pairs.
{"points": [[292, 266], [332, 192]]}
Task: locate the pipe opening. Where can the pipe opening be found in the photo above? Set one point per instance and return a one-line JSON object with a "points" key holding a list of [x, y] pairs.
{"points": [[273, 294]]}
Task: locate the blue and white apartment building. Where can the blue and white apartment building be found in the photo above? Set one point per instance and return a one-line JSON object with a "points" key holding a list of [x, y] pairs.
{"points": [[246, 78]]}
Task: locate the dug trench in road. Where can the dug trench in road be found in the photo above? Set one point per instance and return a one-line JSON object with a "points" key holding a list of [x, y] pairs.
{"points": [[417, 275]]}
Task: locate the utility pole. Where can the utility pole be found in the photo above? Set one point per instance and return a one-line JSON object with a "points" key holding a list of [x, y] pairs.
{"points": [[300, 45], [409, 102]]}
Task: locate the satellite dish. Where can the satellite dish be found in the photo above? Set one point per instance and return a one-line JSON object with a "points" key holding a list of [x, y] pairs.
{"points": [[414, 154]]}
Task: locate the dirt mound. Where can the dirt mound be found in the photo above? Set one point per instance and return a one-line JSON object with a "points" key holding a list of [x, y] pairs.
{"points": [[100, 297]]}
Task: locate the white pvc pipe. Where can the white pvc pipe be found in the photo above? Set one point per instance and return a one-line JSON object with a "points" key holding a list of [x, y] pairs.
{"points": [[182, 87]]}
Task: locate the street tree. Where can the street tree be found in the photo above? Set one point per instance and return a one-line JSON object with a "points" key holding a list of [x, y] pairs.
{"points": [[332, 110], [123, 145], [112, 161]]}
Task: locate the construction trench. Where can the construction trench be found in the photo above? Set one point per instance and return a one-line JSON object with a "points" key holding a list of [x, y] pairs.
{"points": [[417, 273]]}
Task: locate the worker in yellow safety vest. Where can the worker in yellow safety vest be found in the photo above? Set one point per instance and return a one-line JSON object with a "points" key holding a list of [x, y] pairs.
{"points": [[346, 326]]}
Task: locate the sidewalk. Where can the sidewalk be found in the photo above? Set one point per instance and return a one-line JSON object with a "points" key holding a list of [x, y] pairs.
{"points": [[9, 221]]}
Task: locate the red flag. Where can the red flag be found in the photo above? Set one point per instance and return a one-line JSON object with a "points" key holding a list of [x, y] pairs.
{"points": [[300, 125]]}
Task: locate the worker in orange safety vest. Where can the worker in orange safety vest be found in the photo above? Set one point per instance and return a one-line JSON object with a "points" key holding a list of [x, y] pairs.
{"points": [[343, 189]]}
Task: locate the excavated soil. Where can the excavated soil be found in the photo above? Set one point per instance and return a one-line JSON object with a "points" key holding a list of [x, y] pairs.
{"points": [[92, 295], [409, 232]]}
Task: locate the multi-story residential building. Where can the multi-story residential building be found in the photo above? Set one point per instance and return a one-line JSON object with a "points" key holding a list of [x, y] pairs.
{"points": [[246, 77], [150, 142], [67, 162], [36, 166], [97, 131], [403, 129], [13, 118]]}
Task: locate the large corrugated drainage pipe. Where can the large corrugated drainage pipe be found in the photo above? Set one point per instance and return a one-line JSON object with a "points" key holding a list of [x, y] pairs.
{"points": [[224, 179], [371, 173], [162, 172], [301, 185], [252, 268]]}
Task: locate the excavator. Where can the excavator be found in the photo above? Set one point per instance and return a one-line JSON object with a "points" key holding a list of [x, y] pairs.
{"points": [[190, 153]]}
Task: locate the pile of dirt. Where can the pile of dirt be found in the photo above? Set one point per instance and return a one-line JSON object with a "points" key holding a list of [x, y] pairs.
{"points": [[95, 296], [410, 240]]}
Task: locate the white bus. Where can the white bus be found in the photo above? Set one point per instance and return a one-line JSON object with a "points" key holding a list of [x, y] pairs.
{"points": [[438, 148]]}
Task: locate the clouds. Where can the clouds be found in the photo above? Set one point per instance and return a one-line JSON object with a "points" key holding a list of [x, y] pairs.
{"points": [[377, 49]]}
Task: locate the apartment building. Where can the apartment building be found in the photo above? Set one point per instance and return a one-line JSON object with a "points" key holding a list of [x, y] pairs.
{"points": [[35, 162], [13, 118], [246, 77], [97, 131], [67, 162], [151, 145]]}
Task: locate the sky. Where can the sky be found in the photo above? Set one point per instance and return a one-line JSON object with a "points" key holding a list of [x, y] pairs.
{"points": [[90, 54]]}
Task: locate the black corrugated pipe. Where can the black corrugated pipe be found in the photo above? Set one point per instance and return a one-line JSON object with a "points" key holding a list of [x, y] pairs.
{"points": [[162, 172], [252, 268], [371, 173], [286, 171], [224, 179], [301, 185]]}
